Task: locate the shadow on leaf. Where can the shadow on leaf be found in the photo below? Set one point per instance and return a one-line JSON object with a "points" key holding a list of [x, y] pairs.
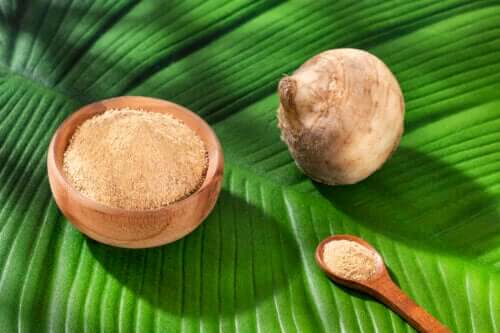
{"points": [[236, 259], [423, 201]]}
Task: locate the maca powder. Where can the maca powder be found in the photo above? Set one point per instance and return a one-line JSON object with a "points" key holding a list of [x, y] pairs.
{"points": [[135, 159], [349, 260]]}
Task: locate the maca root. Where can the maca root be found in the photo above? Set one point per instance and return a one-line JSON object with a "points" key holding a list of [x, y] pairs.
{"points": [[341, 115]]}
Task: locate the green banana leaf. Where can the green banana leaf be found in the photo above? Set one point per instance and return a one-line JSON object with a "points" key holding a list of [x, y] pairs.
{"points": [[432, 211]]}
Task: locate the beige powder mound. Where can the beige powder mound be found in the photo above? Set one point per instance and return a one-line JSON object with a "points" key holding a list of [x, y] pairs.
{"points": [[135, 159], [349, 260]]}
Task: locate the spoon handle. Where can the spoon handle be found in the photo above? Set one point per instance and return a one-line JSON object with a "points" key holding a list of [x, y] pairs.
{"points": [[392, 296]]}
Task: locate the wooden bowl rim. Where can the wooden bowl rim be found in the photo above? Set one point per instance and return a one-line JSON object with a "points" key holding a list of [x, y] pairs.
{"points": [[216, 163]]}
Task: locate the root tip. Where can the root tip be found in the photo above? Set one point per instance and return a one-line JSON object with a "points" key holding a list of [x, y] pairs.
{"points": [[287, 89]]}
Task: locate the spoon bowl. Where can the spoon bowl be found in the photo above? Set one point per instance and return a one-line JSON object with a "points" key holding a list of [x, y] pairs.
{"points": [[126, 227], [363, 285], [383, 288]]}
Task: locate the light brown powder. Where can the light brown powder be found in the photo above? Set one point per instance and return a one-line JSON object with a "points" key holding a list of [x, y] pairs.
{"points": [[135, 159], [349, 260]]}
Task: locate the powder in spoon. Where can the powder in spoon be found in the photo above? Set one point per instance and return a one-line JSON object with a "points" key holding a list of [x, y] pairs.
{"points": [[349, 260], [135, 159]]}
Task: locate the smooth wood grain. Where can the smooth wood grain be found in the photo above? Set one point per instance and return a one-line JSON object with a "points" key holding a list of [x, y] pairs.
{"points": [[383, 288], [135, 228]]}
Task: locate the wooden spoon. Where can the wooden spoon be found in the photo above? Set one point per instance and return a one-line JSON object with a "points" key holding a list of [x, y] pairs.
{"points": [[381, 286]]}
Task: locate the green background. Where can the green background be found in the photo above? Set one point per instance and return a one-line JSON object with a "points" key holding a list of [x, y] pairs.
{"points": [[432, 211]]}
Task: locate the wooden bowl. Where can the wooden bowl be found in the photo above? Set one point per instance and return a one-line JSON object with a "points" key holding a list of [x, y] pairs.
{"points": [[134, 228]]}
